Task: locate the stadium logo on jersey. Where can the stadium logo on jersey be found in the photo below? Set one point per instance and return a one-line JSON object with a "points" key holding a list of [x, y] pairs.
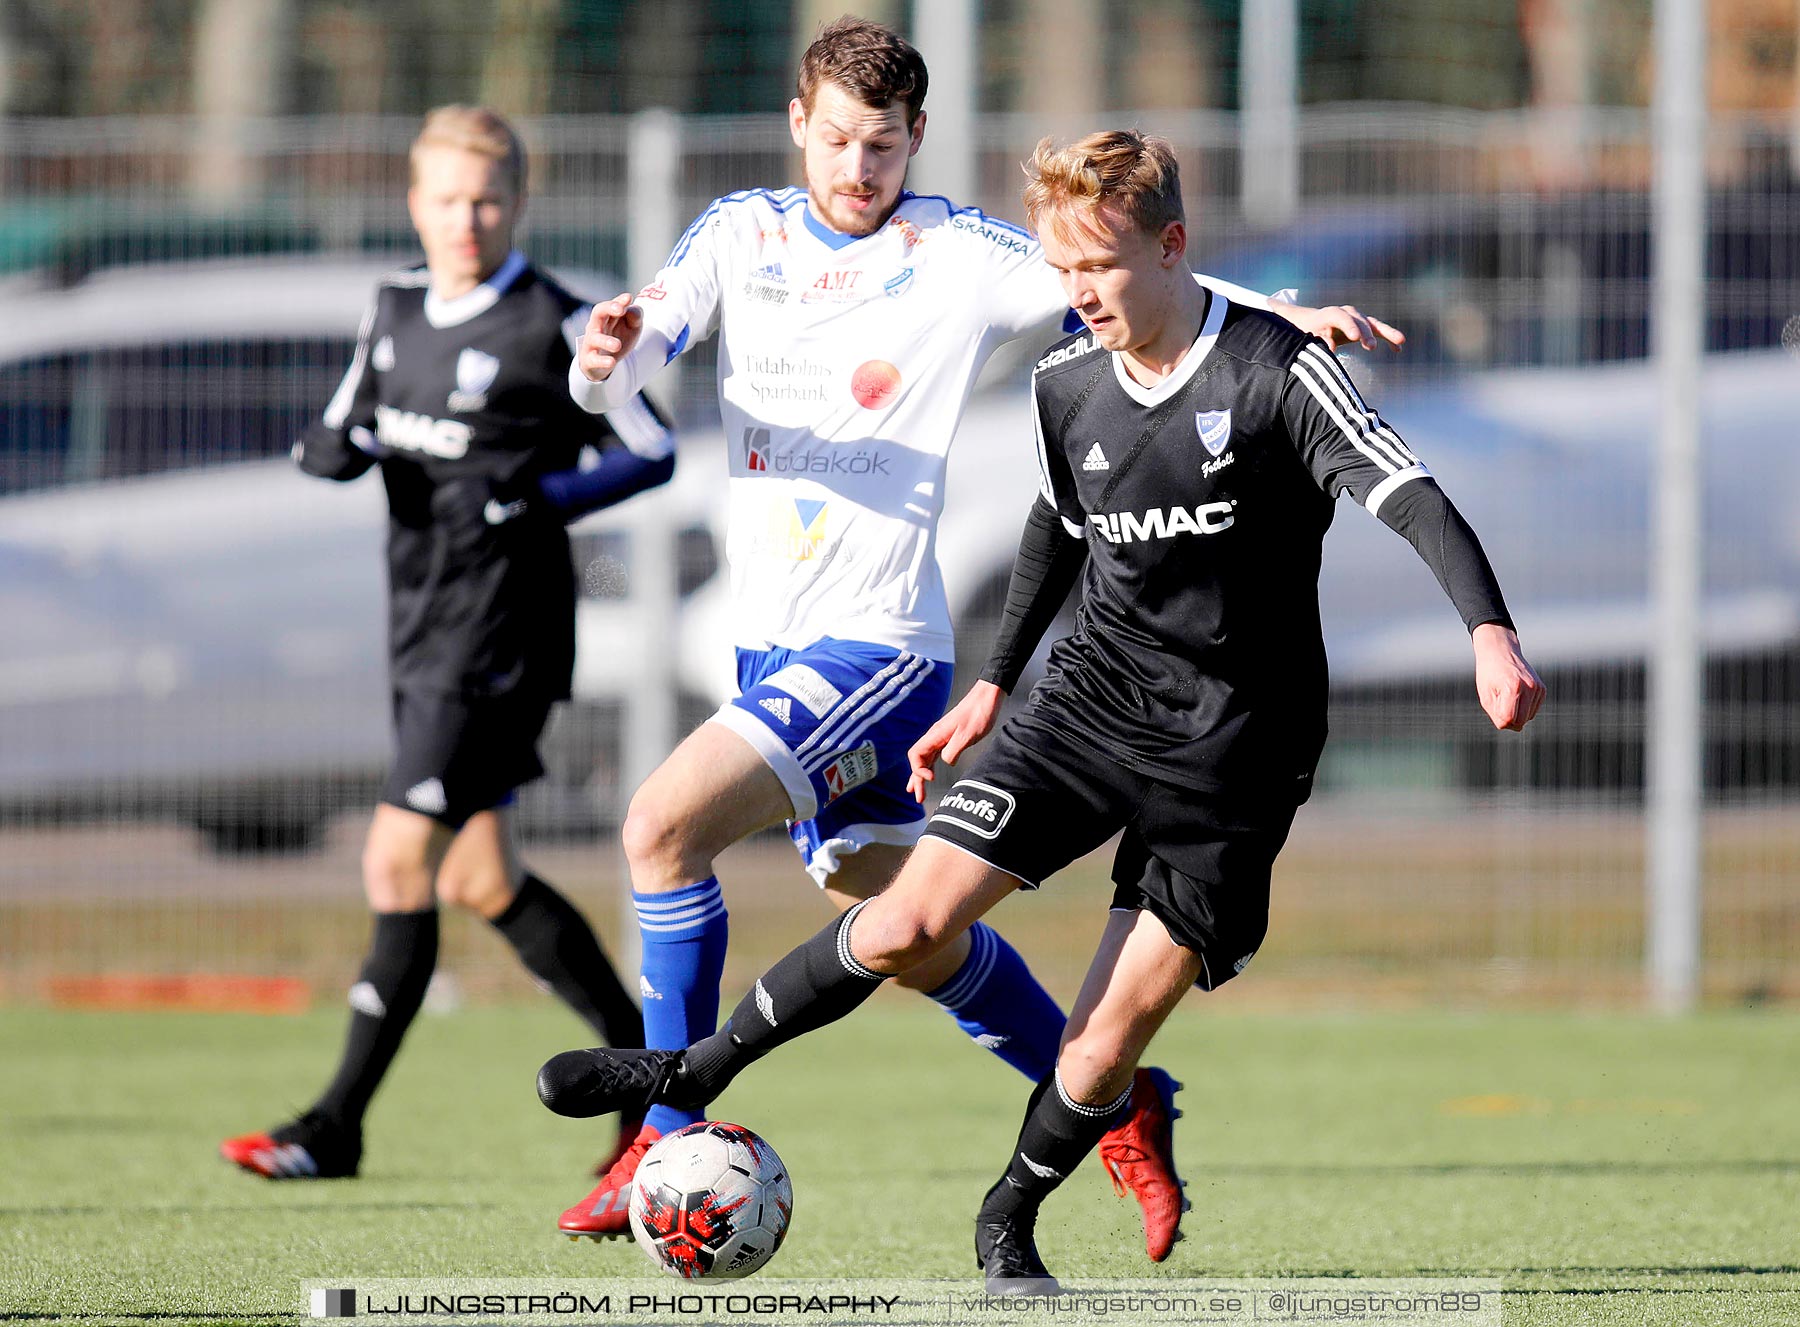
{"points": [[1074, 350], [983, 810], [383, 358], [475, 373], [1214, 428], [1095, 459], [834, 287], [1129, 527], [898, 284], [850, 770], [447, 439], [1009, 240], [780, 706]]}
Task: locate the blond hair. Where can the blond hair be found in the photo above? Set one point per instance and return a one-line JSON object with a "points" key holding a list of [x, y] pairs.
{"points": [[1131, 174], [473, 129]]}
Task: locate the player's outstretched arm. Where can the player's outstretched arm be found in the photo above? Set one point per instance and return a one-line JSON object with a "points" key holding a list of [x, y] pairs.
{"points": [[1339, 324], [613, 328], [969, 720], [1508, 686], [614, 356]]}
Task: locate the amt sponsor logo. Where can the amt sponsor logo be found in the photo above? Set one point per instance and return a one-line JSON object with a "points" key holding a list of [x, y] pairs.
{"points": [[1126, 527], [837, 287]]}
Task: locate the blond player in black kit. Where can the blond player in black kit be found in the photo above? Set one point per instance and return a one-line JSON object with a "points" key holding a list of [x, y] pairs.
{"points": [[458, 393]]}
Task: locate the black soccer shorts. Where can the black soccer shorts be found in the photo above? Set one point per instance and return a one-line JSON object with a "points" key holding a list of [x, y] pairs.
{"points": [[458, 755], [1034, 801]]}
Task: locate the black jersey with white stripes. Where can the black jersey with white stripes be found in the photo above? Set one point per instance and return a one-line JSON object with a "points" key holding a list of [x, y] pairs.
{"points": [[1203, 501], [465, 405]]}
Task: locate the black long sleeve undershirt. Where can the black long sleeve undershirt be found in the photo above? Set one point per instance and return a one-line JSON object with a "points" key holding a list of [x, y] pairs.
{"points": [[1046, 569], [1423, 515]]}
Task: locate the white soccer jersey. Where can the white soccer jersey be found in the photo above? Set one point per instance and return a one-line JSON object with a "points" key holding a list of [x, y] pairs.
{"points": [[844, 366]]}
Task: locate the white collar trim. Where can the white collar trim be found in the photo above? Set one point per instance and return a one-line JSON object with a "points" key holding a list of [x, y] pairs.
{"points": [[441, 312], [1190, 363]]}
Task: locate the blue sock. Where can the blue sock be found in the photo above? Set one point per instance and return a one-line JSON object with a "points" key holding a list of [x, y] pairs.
{"points": [[684, 935], [995, 999]]}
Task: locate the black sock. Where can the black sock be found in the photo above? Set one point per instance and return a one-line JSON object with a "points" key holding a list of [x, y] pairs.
{"points": [[1056, 1135], [387, 995], [816, 984], [558, 947]]}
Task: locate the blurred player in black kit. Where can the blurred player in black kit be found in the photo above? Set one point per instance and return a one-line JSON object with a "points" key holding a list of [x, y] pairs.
{"points": [[1191, 452], [459, 392]]}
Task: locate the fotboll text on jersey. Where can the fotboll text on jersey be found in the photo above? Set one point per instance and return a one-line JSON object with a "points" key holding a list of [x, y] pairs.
{"points": [[1124, 527]]}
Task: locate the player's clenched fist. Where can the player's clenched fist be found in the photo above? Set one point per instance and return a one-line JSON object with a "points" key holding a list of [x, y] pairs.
{"points": [[1508, 686], [966, 724], [612, 330]]}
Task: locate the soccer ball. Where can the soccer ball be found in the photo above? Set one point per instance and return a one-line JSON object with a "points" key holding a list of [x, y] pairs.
{"points": [[711, 1202]]}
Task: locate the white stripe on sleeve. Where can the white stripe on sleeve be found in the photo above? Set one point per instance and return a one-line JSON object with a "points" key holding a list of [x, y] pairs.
{"points": [[337, 413], [1372, 423], [1305, 372], [1379, 493]]}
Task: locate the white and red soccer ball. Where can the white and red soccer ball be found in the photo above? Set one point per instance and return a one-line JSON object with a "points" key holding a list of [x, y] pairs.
{"points": [[711, 1202]]}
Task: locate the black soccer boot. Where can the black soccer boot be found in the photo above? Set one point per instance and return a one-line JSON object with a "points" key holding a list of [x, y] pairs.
{"points": [[1006, 1251], [606, 1078], [313, 1147]]}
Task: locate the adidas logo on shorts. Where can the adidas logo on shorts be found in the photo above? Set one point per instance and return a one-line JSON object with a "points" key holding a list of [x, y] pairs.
{"points": [[780, 706]]}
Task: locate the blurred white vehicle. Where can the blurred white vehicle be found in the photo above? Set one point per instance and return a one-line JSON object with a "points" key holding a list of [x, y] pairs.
{"points": [[206, 644]]}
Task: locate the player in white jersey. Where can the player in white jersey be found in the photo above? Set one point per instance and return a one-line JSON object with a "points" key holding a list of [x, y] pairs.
{"points": [[853, 319]]}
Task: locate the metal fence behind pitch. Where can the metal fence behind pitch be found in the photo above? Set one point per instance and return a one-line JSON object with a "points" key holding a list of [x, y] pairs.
{"points": [[172, 801]]}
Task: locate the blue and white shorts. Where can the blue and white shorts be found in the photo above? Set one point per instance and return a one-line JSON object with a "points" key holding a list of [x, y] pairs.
{"points": [[834, 721]]}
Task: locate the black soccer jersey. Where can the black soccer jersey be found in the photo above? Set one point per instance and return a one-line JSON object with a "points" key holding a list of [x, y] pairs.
{"points": [[466, 404], [1203, 502]]}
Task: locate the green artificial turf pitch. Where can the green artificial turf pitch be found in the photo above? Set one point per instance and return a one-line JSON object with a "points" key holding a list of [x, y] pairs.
{"points": [[1604, 1168]]}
